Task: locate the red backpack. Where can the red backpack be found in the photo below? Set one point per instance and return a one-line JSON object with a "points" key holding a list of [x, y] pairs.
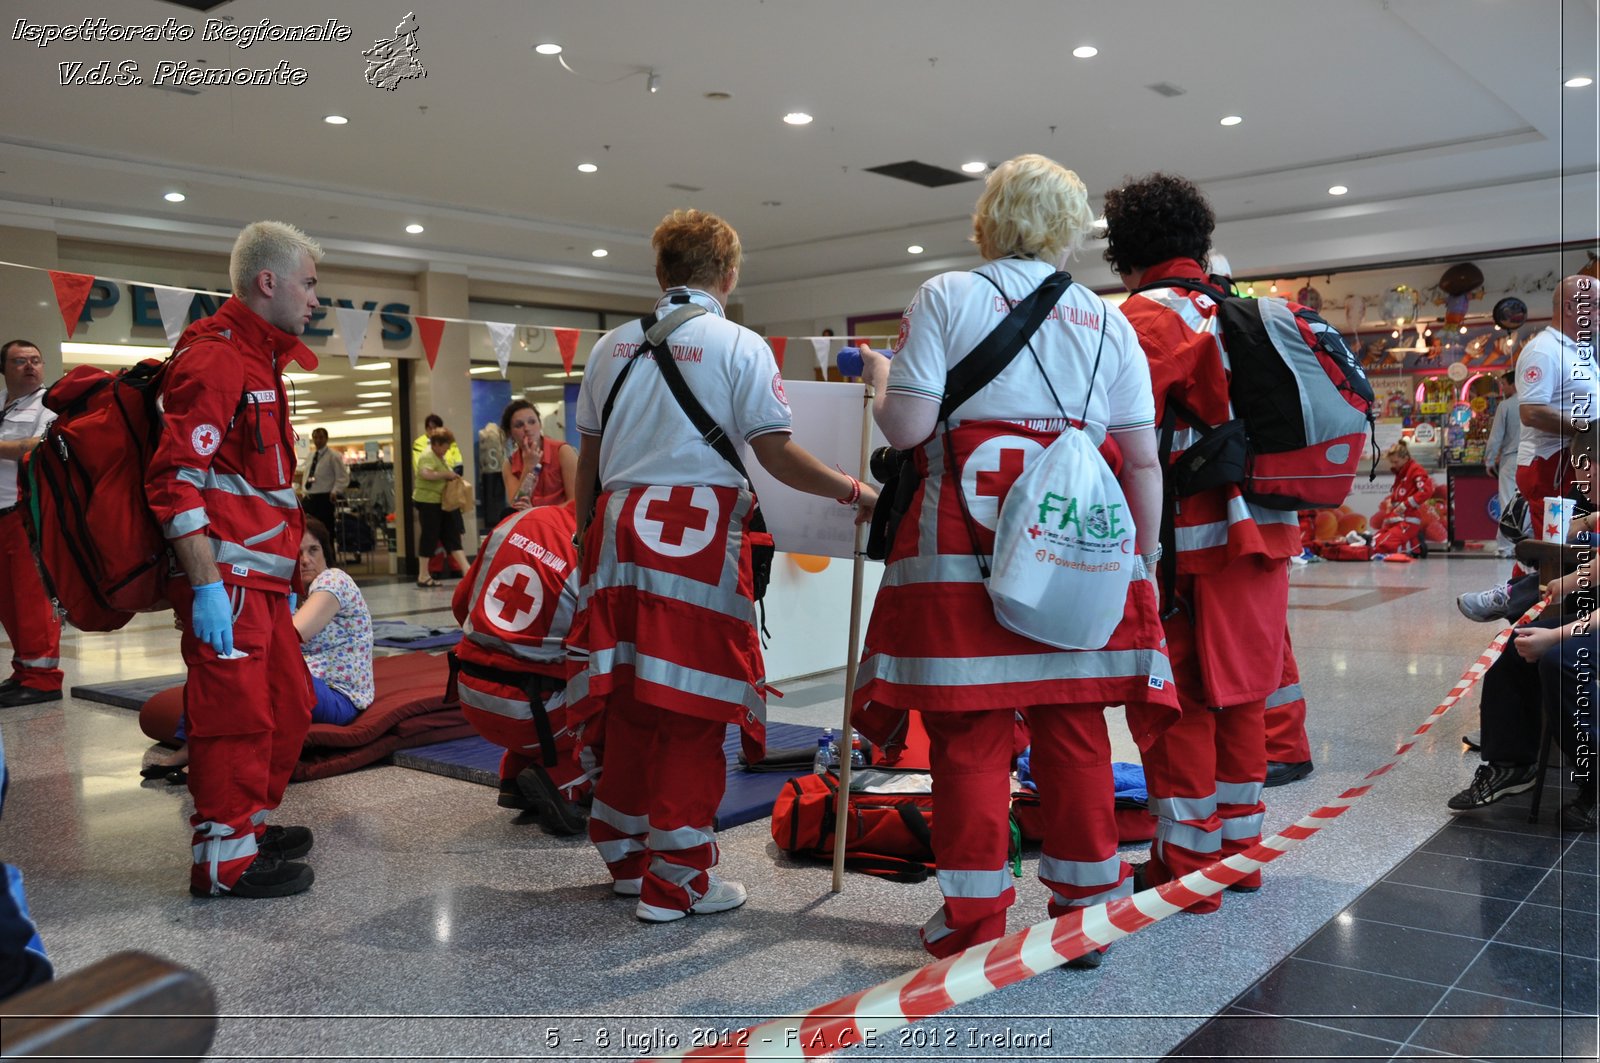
{"points": [[889, 835]]}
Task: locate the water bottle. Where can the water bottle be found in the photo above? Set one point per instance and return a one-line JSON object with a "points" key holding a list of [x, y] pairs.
{"points": [[824, 760], [858, 756]]}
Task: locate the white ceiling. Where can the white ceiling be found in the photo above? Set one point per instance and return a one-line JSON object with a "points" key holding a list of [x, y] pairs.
{"points": [[1419, 106]]}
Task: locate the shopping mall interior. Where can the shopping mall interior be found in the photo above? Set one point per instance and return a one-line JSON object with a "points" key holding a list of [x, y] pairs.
{"points": [[484, 179]]}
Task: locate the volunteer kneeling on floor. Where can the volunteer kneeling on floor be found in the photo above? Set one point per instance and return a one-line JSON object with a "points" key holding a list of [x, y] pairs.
{"points": [[934, 643], [666, 627], [515, 605]]}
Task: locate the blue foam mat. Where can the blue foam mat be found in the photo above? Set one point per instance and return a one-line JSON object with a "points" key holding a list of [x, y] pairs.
{"points": [[400, 635], [748, 797], [128, 693]]}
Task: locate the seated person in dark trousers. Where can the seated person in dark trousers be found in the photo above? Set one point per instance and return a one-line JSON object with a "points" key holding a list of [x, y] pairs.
{"points": [[1549, 673]]}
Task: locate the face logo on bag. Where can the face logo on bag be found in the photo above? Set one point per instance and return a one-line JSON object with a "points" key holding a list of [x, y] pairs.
{"points": [[777, 390], [205, 439], [677, 521], [991, 469], [513, 598]]}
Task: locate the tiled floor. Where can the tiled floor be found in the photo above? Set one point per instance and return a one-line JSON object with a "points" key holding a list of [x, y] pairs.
{"points": [[441, 926], [1481, 944]]}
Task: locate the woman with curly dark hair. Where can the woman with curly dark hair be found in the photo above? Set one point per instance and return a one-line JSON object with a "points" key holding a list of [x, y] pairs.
{"points": [[1226, 628]]}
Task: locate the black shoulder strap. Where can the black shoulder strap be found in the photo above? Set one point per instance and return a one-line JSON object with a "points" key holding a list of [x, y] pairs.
{"points": [[996, 350], [1187, 285]]}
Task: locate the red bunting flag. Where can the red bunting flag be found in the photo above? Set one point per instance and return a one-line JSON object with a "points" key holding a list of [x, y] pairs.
{"points": [[72, 291], [778, 343], [567, 340], [432, 330]]}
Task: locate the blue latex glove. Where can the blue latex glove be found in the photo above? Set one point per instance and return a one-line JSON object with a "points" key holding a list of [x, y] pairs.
{"points": [[294, 602], [212, 617]]}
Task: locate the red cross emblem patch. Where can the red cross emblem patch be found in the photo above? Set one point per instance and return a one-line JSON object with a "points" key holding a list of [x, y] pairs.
{"points": [[205, 439]]}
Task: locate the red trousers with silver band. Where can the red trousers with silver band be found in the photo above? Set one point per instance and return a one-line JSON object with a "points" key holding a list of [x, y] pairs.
{"points": [[29, 619], [1540, 479], [519, 737], [655, 805], [1287, 741], [247, 719], [971, 761], [1205, 774]]}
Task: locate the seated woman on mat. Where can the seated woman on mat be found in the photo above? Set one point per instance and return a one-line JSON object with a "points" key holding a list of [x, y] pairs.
{"points": [[335, 629]]}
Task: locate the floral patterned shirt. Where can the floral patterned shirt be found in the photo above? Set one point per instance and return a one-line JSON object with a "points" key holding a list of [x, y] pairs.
{"points": [[341, 653]]}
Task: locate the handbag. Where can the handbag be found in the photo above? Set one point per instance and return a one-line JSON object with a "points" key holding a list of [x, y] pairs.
{"points": [[457, 495]]}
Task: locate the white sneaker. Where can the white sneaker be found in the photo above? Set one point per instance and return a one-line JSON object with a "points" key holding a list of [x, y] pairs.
{"points": [[721, 896], [627, 887], [1484, 606]]}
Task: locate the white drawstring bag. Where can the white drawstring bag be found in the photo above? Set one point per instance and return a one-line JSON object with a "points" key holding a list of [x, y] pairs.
{"points": [[1064, 549]]}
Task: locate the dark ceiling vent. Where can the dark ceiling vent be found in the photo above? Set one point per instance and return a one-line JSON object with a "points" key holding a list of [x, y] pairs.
{"points": [[1166, 88], [920, 173], [181, 90], [685, 188], [199, 5]]}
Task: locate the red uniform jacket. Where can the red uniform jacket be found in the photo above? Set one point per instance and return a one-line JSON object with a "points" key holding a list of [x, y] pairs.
{"points": [[1412, 487]]}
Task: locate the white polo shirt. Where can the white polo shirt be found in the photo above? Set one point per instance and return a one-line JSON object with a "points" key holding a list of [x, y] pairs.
{"points": [[649, 440], [1554, 371], [22, 419]]}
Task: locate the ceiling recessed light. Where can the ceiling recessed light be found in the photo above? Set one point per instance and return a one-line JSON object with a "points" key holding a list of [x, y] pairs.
{"points": [[1085, 51], [587, 167], [797, 118], [174, 197], [914, 249], [719, 95], [414, 228], [1230, 119], [547, 49], [336, 119], [599, 252], [1337, 190], [1579, 82], [974, 167]]}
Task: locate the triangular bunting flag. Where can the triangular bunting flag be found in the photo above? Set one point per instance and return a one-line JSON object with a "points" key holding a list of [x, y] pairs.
{"points": [[500, 335], [778, 343], [567, 340], [72, 291], [174, 304], [821, 344], [353, 330], [432, 330]]}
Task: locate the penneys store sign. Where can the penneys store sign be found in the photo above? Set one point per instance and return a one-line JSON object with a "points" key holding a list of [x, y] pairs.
{"points": [[106, 296]]}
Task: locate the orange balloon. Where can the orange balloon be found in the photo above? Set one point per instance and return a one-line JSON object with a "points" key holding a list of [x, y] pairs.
{"points": [[810, 562], [1326, 525], [1352, 522]]}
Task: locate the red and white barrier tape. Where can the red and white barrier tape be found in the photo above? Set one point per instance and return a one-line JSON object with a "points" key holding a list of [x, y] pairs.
{"points": [[980, 970]]}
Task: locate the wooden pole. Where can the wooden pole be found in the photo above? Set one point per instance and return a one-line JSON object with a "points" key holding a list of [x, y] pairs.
{"points": [[853, 656]]}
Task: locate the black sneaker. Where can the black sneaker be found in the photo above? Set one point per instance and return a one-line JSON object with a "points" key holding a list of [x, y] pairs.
{"points": [[1579, 813], [1493, 782], [21, 695], [285, 843], [267, 876], [511, 796], [1280, 773], [558, 815], [1089, 961]]}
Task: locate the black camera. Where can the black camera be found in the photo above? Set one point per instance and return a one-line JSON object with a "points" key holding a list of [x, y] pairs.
{"points": [[896, 470], [884, 463]]}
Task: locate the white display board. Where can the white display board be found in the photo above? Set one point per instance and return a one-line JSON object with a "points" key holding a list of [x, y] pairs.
{"points": [[827, 422]]}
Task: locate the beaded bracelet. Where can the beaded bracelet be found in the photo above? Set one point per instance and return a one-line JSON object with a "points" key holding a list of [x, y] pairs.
{"points": [[855, 493]]}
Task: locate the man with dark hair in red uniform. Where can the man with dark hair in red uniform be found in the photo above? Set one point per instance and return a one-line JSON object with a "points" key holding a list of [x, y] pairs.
{"points": [[29, 619], [221, 485], [1226, 610]]}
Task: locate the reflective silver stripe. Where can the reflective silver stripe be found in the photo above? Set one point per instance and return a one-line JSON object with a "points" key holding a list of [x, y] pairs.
{"points": [[679, 875], [267, 564], [1238, 793], [1178, 301], [689, 680], [1184, 438], [1023, 668], [1187, 837], [681, 838], [974, 884], [936, 928], [614, 852], [1193, 809], [619, 821], [510, 708], [1284, 696], [1242, 827], [1080, 872], [38, 662], [220, 847], [716, 599], [932, 568], [259, 818], [1206, 536], [233, 484], [1124, 889], [185, 523], [547, 650], [1284, 334], [270, 533]]}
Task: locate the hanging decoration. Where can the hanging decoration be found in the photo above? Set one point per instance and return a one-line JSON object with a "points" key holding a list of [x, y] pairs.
{"points": [[778, 344], [174, 304], [72, 291], [1400, 305], [1461, 278], [501, 334], [353, 325], [1510, 312], [1309, 297], [567, 340], [820, 345], [431, 329]]}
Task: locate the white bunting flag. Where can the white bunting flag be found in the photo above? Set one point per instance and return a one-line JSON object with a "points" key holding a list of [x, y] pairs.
{"points": [[821, 345], [501, 334], [353, 330], [174, 304]]}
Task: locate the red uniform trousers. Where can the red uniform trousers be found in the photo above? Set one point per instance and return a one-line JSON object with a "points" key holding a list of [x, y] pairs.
{"points": [[520, 740], [29, 619], [655, 805], [1287, 742], [1398, 536], [1205, 774], [971, 756], [247, 719], [1540, 479]]}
